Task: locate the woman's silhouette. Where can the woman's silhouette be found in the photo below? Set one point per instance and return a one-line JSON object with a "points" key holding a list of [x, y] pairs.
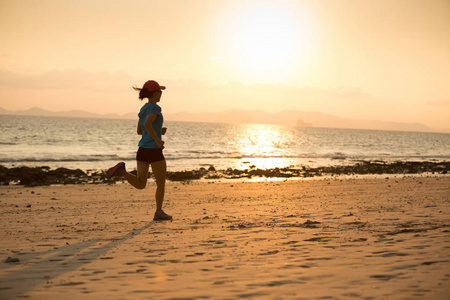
{"points": [[150, 152]]}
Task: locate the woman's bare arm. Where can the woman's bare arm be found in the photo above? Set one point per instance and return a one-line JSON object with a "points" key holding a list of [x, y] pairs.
{"points": [[139, 128], [148, 126]]}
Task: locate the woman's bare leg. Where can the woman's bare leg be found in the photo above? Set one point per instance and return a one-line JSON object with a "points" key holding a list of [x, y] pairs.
{"points": [[139, 181], [159, 169]]}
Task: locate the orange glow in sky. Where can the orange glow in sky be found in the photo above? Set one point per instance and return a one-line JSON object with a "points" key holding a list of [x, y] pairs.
{"points": [[375, 60], [270, 42]]}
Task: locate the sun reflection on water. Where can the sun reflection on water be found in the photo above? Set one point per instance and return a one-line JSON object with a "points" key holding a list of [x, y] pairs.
{"points": [[262, 146]]}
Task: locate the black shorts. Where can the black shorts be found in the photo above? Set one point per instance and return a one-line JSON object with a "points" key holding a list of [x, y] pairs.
{"points": [[149, 155]]}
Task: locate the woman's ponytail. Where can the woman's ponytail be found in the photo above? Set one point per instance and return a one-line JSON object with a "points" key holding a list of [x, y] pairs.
{"points": [[143, 93]]}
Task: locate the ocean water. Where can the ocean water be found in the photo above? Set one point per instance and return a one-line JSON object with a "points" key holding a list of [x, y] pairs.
{"points": [[97, 144]]}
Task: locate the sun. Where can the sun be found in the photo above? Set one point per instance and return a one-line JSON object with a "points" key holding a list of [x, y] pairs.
{"points": [[269, 41]]}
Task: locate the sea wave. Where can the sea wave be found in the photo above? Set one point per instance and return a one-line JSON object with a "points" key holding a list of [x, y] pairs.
{"points": [[82, 158], [234, 156], [97, 144], [8, 143]]}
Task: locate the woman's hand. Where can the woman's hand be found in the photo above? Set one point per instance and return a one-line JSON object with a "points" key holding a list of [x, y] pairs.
{"points": [[164, 130], [159, 143]]}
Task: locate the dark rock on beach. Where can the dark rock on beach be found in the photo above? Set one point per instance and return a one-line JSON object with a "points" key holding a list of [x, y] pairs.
{"points": [[45, 176], [12, 260], [185, 175], [380, 167], [41, 176], [361, 168]]}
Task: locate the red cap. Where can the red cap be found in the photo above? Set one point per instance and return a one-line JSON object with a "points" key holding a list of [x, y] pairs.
{"points": [[152, 85]]}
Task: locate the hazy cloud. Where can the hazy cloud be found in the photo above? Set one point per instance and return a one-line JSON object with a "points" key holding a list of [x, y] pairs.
{"points": [[440, 102], [216, 57], [66, 79]]}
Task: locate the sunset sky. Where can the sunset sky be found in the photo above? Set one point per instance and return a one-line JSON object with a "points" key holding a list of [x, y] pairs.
{"points": [[374, 59]]}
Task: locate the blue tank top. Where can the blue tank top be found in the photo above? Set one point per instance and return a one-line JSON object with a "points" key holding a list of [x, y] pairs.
{"points": [[147, 141]]}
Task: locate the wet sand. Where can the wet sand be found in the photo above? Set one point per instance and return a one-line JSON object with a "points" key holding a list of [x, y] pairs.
{"points": [[343, 238]]}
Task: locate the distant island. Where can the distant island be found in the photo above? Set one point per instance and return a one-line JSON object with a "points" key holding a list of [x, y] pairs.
{"points": [[287, 117], [303, 123]]}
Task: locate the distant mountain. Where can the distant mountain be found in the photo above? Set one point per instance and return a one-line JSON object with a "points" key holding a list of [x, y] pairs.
{"points": [[287, 117], [35, 111]]}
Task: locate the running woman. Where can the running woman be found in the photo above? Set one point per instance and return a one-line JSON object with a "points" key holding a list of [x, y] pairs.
{"points": [[150, 151]]}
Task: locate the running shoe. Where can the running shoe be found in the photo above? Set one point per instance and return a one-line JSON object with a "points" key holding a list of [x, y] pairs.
{"points": [[117, 170], [161, 216]]}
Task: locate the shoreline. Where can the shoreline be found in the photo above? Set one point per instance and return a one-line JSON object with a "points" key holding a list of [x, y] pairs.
{"points": [[44, 176]]}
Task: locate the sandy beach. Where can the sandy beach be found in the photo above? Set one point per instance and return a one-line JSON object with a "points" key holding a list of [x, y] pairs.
{"points": [[323, 238]]}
